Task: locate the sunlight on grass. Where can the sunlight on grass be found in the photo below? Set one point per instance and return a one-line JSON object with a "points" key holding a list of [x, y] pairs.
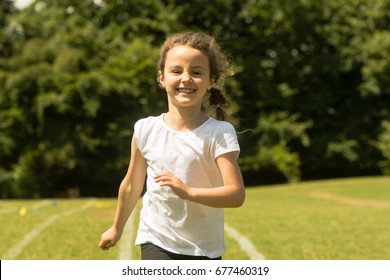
{"points": [[286, 222], [283, 222]]}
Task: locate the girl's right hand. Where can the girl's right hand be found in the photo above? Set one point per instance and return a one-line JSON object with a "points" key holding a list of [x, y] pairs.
{"points": [[109, 239]]}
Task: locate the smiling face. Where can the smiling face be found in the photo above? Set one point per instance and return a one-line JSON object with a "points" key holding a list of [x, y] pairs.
{"points": [[186, 76]]}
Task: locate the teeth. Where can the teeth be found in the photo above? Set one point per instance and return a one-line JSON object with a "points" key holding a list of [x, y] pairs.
{"points": [[182, 90]]}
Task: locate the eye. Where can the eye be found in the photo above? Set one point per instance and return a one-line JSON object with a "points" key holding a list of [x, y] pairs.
{"points": [[176, 71], [196, 73]]}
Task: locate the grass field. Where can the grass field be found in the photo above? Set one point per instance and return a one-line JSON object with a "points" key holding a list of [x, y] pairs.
{"points": [[332, 219]]}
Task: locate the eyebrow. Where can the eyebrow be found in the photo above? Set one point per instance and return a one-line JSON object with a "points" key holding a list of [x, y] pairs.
{"points": [[198, 66], [192, 67]]}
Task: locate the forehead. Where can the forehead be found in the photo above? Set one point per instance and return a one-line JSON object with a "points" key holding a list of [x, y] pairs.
{"points": [[184, 55]]}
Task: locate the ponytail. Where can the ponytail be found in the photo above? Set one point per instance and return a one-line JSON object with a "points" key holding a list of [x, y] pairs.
{"points": [[217, 100]]}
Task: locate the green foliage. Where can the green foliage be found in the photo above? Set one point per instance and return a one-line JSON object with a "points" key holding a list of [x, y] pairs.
{"points": [[311, 83], [277, 131], [383, 144], [71, 95]]}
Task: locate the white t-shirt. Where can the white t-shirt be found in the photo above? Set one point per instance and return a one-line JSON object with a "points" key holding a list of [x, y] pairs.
{"points": [[174, 224]]}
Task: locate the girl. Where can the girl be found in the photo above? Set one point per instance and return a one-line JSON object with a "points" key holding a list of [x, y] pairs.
{"points": [[190, 159]]}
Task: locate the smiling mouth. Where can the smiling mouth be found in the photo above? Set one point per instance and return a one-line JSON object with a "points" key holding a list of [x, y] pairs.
{"points": [[185, 90]]}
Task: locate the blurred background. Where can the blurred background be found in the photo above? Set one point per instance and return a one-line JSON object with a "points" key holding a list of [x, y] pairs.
{"points": [[311, 85]]}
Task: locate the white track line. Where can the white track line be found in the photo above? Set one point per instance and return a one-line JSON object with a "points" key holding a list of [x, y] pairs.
{"points": [[126, 243], [35, 206], [352, 201], [29, 237], [8, 210], [245, 244], [40, 204], [125, 252]]}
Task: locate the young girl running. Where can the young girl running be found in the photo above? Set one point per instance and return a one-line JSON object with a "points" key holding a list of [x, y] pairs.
{"points": [[188, 158]]}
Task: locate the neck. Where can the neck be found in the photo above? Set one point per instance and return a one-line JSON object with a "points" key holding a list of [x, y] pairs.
{"points": [[184, 119]]}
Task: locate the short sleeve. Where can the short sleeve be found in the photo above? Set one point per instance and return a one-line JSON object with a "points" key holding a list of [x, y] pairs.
{"points": [[226, 140], [140, 130], [137, 128]]}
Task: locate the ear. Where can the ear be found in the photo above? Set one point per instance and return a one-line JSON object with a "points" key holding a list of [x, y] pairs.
{"points": [[161, 79]]}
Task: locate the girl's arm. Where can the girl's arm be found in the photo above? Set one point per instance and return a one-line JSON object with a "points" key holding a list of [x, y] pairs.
{"points": [[231, 194], [129, 192]]}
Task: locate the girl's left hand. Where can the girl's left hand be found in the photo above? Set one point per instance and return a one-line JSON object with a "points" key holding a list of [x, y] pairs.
{"points": [[167, 179]]}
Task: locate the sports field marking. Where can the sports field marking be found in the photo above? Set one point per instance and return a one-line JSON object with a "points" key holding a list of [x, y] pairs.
{"points": [[29, 237], [40, 204], [352, 201], [126, 243], [8, 210], [245, 244], [35, 206]]}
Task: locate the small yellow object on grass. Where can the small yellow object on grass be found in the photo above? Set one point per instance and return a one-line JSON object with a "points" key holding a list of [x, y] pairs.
{"points": [[23, 211]]}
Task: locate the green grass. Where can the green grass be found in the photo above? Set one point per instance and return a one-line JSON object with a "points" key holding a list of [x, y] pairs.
{"points": [[331, 219], [288, 222]]}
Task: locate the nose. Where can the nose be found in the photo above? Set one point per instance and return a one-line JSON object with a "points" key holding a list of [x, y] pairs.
{"points": [[186, 78]]}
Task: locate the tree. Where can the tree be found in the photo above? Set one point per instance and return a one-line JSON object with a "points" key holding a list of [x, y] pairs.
{"points": [[311, 84], [72, 92], [313, 67]]}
